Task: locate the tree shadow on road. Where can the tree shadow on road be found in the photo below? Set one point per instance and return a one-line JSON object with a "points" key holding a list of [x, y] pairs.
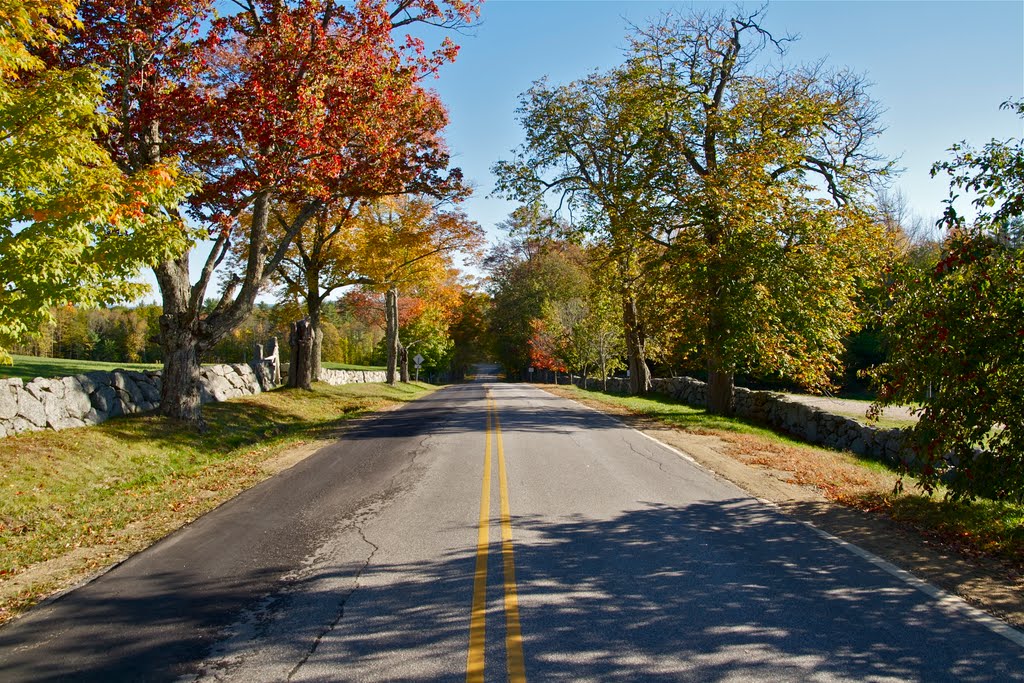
{"points": [[709, 591], [706, 592]]}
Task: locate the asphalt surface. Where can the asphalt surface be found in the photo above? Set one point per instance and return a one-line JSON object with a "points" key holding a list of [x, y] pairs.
{"points": [[631, 563]]}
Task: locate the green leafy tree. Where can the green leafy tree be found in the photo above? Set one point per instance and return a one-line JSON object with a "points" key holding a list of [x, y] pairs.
{"points": [[77, 338], [604, 329], [766, 176], [525, 273], [588, 143], [955, 334], [583, 331], [73, 228], [469, 330], [427, 334]]}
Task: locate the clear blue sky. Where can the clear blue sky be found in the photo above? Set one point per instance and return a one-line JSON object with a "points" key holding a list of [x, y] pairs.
{"points": [[940, 69]]}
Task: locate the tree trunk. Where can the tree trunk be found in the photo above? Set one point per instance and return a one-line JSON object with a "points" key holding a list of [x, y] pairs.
{"points": [[403, 365], [179, 385], [639, 373], [186, 332], [300, 371], [391, 332], [716, 336], [720, 376], [313, 305], [306, 355], [317, 355], [180, 343], [720, 384]]}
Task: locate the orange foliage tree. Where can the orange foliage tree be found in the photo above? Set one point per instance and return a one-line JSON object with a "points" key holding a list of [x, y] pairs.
{"points": [[301, 102]]}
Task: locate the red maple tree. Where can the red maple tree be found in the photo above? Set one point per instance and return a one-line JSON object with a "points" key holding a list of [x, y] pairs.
{"points": [[305, 102]]}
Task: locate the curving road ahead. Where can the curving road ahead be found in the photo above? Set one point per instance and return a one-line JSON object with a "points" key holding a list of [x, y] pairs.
{"points": [[582, 551]]}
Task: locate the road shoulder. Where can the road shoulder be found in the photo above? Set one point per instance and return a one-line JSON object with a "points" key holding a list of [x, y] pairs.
{"points": [[53, 578], [986, 585]]}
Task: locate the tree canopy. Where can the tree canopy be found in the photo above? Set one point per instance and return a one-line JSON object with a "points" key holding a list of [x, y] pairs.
{"points": [[769, 179], [303, 103], [588, 143], [955, 333], [74, 229], [753, 183], [401, 243]]}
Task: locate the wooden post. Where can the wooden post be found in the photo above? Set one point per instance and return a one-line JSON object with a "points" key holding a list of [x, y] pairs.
{"points": [[300, 371]]}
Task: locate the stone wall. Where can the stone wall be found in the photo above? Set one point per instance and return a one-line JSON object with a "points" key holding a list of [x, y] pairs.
{"points": [[338, 377], [94, 397], [775, 410]]}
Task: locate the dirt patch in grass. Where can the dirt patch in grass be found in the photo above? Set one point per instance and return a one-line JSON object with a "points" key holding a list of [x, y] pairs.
{"points": [[975, 550], [76, 502]]}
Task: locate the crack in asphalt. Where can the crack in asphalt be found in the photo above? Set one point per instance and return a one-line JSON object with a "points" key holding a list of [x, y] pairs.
{"points": [[390, 491], [368, 509], [651, 458], [341, 606]]}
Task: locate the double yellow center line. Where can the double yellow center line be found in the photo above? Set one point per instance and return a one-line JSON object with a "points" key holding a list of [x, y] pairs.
{"points": [[478, 615]]}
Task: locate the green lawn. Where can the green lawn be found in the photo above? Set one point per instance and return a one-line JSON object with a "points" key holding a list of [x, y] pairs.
{"points": [[345, 366], [30, 367]]}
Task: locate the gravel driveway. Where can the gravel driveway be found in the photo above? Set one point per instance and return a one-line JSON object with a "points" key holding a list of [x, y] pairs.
{"points": [[850, 407]]}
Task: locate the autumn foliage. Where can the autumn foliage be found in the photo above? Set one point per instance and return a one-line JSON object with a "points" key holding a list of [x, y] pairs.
{"points": [[302, 104], [955, 334], [74, 226], [753, 184], [957, 348]]}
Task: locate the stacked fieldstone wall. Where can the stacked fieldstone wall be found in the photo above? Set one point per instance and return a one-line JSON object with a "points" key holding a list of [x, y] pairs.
{"points": [[94, 397], [338, 377], [775, 410]]}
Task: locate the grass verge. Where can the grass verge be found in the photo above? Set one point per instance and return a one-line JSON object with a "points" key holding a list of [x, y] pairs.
{"points": [[980, 529], [75, 501], [30, 367], [346, 366]]}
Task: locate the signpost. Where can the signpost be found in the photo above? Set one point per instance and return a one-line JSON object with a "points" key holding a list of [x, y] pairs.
{"points": [[418, 360]]}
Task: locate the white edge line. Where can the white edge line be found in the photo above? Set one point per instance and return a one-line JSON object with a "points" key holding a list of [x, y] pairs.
{"points": [[684, 456], [946, 601]]}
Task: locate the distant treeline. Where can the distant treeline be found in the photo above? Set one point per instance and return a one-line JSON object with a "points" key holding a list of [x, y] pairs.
{"points": [[124, 334]]}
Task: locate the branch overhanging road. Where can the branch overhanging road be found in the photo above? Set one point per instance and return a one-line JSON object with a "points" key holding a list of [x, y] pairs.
{"points": [[585, 551]]}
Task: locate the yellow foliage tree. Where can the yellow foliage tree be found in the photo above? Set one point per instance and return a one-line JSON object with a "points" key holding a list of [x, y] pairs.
{"points": [[73, 228], [405, 242]]}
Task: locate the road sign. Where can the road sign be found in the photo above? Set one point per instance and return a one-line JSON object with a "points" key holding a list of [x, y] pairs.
{"points": [[418, 360]]}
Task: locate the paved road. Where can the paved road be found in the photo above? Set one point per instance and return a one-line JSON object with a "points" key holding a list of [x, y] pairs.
{"points": [[604, 556]]}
